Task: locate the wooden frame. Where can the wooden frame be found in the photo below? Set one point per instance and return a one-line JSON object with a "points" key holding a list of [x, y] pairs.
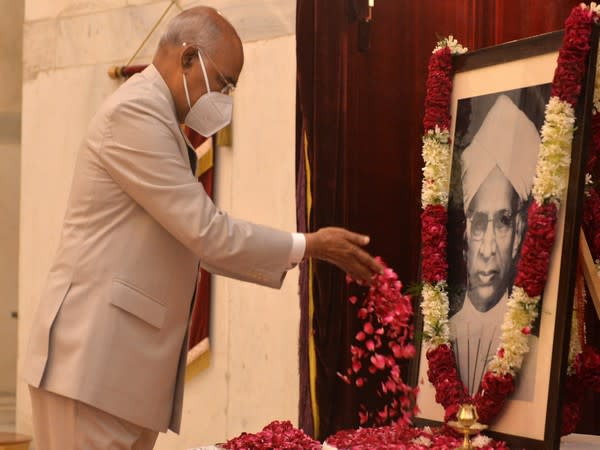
{"points": [[517, 65]]}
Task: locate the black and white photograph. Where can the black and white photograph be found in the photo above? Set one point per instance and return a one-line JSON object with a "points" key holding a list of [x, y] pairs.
{"points": [[494, 159]]}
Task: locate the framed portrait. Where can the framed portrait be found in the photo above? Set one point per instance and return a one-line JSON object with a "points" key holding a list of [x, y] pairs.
{"points": [[499, 95]]}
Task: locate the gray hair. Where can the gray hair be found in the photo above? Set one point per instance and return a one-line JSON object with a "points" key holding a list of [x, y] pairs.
{"points": [[195, 26]]}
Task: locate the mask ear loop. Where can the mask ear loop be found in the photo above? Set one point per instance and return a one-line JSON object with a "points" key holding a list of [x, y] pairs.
{"points": [[187, 94], [204, 71]]}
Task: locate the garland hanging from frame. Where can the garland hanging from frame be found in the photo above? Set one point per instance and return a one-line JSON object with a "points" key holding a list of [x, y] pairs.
{"points": [[548, 189]]}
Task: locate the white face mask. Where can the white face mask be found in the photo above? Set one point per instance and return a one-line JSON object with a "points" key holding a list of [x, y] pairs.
{"points": [[211, 112]]}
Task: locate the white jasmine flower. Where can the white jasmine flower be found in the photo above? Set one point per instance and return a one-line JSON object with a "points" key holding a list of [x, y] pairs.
{"points": [[436, 170], [452, 44], [435, 309], [422, 440], [554, 157], [521, 312], [480, 441]]}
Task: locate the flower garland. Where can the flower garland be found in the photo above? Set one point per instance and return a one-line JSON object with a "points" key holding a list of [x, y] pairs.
{"points": [[584, 361], [379, 349], [548, 187]]}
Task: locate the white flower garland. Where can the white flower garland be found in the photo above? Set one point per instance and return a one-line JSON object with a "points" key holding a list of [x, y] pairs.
{"points": [[554, 159], [436, 170], [435, 309], [521, 312]]}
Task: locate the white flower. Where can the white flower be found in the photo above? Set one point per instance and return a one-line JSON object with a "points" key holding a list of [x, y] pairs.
{"points": [[554, 158], [480, 441], [436, 170], [422, 440], [435, 309], [452, 44], [521, 312]]}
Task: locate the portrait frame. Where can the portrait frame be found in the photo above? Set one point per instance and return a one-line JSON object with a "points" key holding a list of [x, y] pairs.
{"points": [[494, 70]]}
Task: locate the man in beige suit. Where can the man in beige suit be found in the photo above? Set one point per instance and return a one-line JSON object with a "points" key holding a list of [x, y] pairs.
{"points": [[106, 357]]}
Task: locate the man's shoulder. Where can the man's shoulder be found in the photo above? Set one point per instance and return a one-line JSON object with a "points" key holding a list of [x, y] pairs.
{"points": [[141, 95]]}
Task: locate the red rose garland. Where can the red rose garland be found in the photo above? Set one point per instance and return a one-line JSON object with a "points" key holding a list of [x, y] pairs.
{"points": [[496, 387], [434, 239], [533, 265], [439, 89], [585, 373]]}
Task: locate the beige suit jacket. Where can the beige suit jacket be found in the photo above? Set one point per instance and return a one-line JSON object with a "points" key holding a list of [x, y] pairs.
{"points": [[111, 326]]}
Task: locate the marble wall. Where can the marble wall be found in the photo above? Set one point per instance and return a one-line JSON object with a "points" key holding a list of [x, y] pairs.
{"points": [[11, 32], [68, 47]]}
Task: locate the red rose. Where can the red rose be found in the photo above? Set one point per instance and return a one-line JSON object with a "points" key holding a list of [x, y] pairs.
{"points": [[438, 89], [571, 58], [532, 269], [280, 435], [442, 363], [587, 367], [494, 391], [498, 385], [434, 238]]}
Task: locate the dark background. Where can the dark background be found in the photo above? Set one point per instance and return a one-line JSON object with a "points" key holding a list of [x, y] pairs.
{"points": [[361, 112]]}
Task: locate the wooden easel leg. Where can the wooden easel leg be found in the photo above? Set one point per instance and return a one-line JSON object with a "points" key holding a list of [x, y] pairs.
{"points": [[592, 279]]}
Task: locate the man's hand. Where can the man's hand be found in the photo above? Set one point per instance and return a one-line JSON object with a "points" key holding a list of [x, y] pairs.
{"points": [[343, 249]]}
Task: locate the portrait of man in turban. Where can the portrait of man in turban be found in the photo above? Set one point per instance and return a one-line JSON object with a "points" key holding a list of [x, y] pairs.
{"points": [[495, 154]]}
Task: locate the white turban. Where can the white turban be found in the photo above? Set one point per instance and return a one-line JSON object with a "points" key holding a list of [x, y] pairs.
{"points": [[508, 140]]}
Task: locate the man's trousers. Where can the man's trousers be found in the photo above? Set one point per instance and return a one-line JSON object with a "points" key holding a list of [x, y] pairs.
{"points": [[61, 423]]}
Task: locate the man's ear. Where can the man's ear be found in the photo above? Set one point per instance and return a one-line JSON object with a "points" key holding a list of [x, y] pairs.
{"points": [[188, 55], [520, 222]]}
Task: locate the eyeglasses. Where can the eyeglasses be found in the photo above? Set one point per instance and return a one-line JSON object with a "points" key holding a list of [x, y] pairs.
{"points": [[229, 86], [503, 221]]}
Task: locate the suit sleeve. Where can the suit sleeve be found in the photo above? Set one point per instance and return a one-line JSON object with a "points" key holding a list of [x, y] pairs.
{"points": [[142, 155]]}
